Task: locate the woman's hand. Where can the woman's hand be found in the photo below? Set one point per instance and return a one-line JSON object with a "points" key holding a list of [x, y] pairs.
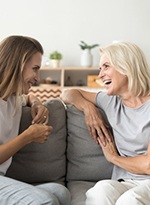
{"points": [[109, 150], [38, 133], [97, 127], [39, 113]]}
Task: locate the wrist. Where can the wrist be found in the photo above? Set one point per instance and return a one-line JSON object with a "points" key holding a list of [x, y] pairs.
{"points": [[32, 100], [87, 107], [115, 159], [25, 137], [35, 102]]}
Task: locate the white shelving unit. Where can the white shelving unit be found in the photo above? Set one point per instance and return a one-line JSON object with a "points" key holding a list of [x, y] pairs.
{"points": [[78, 76], [61, 74]]}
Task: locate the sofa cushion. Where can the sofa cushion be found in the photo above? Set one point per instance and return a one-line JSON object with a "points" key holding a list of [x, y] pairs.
{"points": [[86, 161], [38, 163]]}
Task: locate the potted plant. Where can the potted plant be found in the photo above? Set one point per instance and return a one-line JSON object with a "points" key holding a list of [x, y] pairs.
{"points": [[55, 58], [86, 57], [84, 45]]}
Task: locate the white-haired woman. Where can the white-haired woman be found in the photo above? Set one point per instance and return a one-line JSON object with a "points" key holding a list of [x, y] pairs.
{"points": [[125, 72]]}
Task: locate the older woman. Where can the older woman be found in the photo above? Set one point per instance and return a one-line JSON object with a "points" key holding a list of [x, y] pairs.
{"points": [[126, 75]]}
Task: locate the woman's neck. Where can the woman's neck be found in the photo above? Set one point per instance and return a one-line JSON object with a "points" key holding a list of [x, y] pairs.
{"points": [[134, 101]]}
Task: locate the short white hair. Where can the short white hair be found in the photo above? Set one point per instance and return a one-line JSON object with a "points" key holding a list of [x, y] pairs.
{"points": [[128, 59]]}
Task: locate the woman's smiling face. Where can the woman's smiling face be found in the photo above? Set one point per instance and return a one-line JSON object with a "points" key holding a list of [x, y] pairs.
{"points": [[115, 82], [31, 72]]}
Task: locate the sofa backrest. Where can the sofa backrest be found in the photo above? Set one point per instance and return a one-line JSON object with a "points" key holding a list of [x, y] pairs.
{"points": [[40, 163], [85, 159]]}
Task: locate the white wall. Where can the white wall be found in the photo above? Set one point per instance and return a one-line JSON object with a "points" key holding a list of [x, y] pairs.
{"points": [[61, 24]]}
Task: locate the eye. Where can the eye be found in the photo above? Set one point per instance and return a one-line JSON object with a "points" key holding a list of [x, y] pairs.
{"points": [[36, 68], [106, 66]]}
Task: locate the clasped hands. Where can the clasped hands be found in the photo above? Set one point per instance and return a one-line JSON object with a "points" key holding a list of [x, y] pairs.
{"points": [[40, 116], [39, 113]]}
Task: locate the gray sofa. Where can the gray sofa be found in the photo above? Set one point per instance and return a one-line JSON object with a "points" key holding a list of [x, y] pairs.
{"points": [[70, 156]]}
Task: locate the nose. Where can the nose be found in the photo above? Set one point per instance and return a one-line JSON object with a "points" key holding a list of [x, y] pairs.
{"points": [[37, 77], [101, 73]]}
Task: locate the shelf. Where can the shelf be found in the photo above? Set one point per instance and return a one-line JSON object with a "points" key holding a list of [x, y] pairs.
{"points": [[47, 68], [69, 68], [79, 77]]}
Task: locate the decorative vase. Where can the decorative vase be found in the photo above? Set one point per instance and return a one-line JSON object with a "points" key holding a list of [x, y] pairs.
{"points": [[86, 58], [55, 63]]}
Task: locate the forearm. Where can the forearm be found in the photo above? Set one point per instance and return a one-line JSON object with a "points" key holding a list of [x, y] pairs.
{"points": [[78, 98], [8, 149], [137, 165]]}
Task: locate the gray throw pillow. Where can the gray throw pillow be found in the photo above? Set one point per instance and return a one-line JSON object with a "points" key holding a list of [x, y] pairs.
{"points": [[39, 163], [86, 161]]}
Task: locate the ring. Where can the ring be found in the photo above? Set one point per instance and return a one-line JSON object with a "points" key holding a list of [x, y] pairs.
{"points": [[45, 116]]}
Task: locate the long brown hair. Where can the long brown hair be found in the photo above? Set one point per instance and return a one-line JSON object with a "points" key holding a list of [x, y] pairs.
{"points": [[15, 51]]}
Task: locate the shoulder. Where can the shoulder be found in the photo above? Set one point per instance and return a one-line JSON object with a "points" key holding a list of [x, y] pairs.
{"points": [[104, 100]]}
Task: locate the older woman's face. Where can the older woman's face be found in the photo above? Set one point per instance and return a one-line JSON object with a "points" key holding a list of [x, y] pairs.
{"points": [[115, 82], [31, 72]]}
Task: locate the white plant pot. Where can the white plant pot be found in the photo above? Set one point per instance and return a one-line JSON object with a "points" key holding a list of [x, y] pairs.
{"points": [[55, 63], [86, 58]]}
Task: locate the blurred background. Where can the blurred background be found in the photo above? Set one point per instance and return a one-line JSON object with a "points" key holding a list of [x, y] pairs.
{"points": [[62, 24]]}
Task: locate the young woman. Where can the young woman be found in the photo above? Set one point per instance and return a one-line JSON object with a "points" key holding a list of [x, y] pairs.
{"points": [[20, 61], [126, 75]]}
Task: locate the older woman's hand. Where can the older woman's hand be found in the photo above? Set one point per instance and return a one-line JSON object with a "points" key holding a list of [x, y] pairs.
{"points": [[96, 125], [39, 113], [109, 150]]}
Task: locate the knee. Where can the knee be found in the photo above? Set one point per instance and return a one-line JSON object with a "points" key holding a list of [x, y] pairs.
{"points": [[44, 199], [103, 187], [59, 191], [63, 195], [130, 197], [102, 191], [66, 193]]}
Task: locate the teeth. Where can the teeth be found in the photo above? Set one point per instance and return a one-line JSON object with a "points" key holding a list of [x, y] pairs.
{"points": [[100, 82], [107, 81]]}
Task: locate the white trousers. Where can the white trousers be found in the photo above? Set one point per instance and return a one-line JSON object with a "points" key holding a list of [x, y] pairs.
{"points": [[111, 192]]}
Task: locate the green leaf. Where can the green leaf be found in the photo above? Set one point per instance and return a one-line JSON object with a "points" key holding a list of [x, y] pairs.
{"points": [[55, 55], [84, 45]]}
